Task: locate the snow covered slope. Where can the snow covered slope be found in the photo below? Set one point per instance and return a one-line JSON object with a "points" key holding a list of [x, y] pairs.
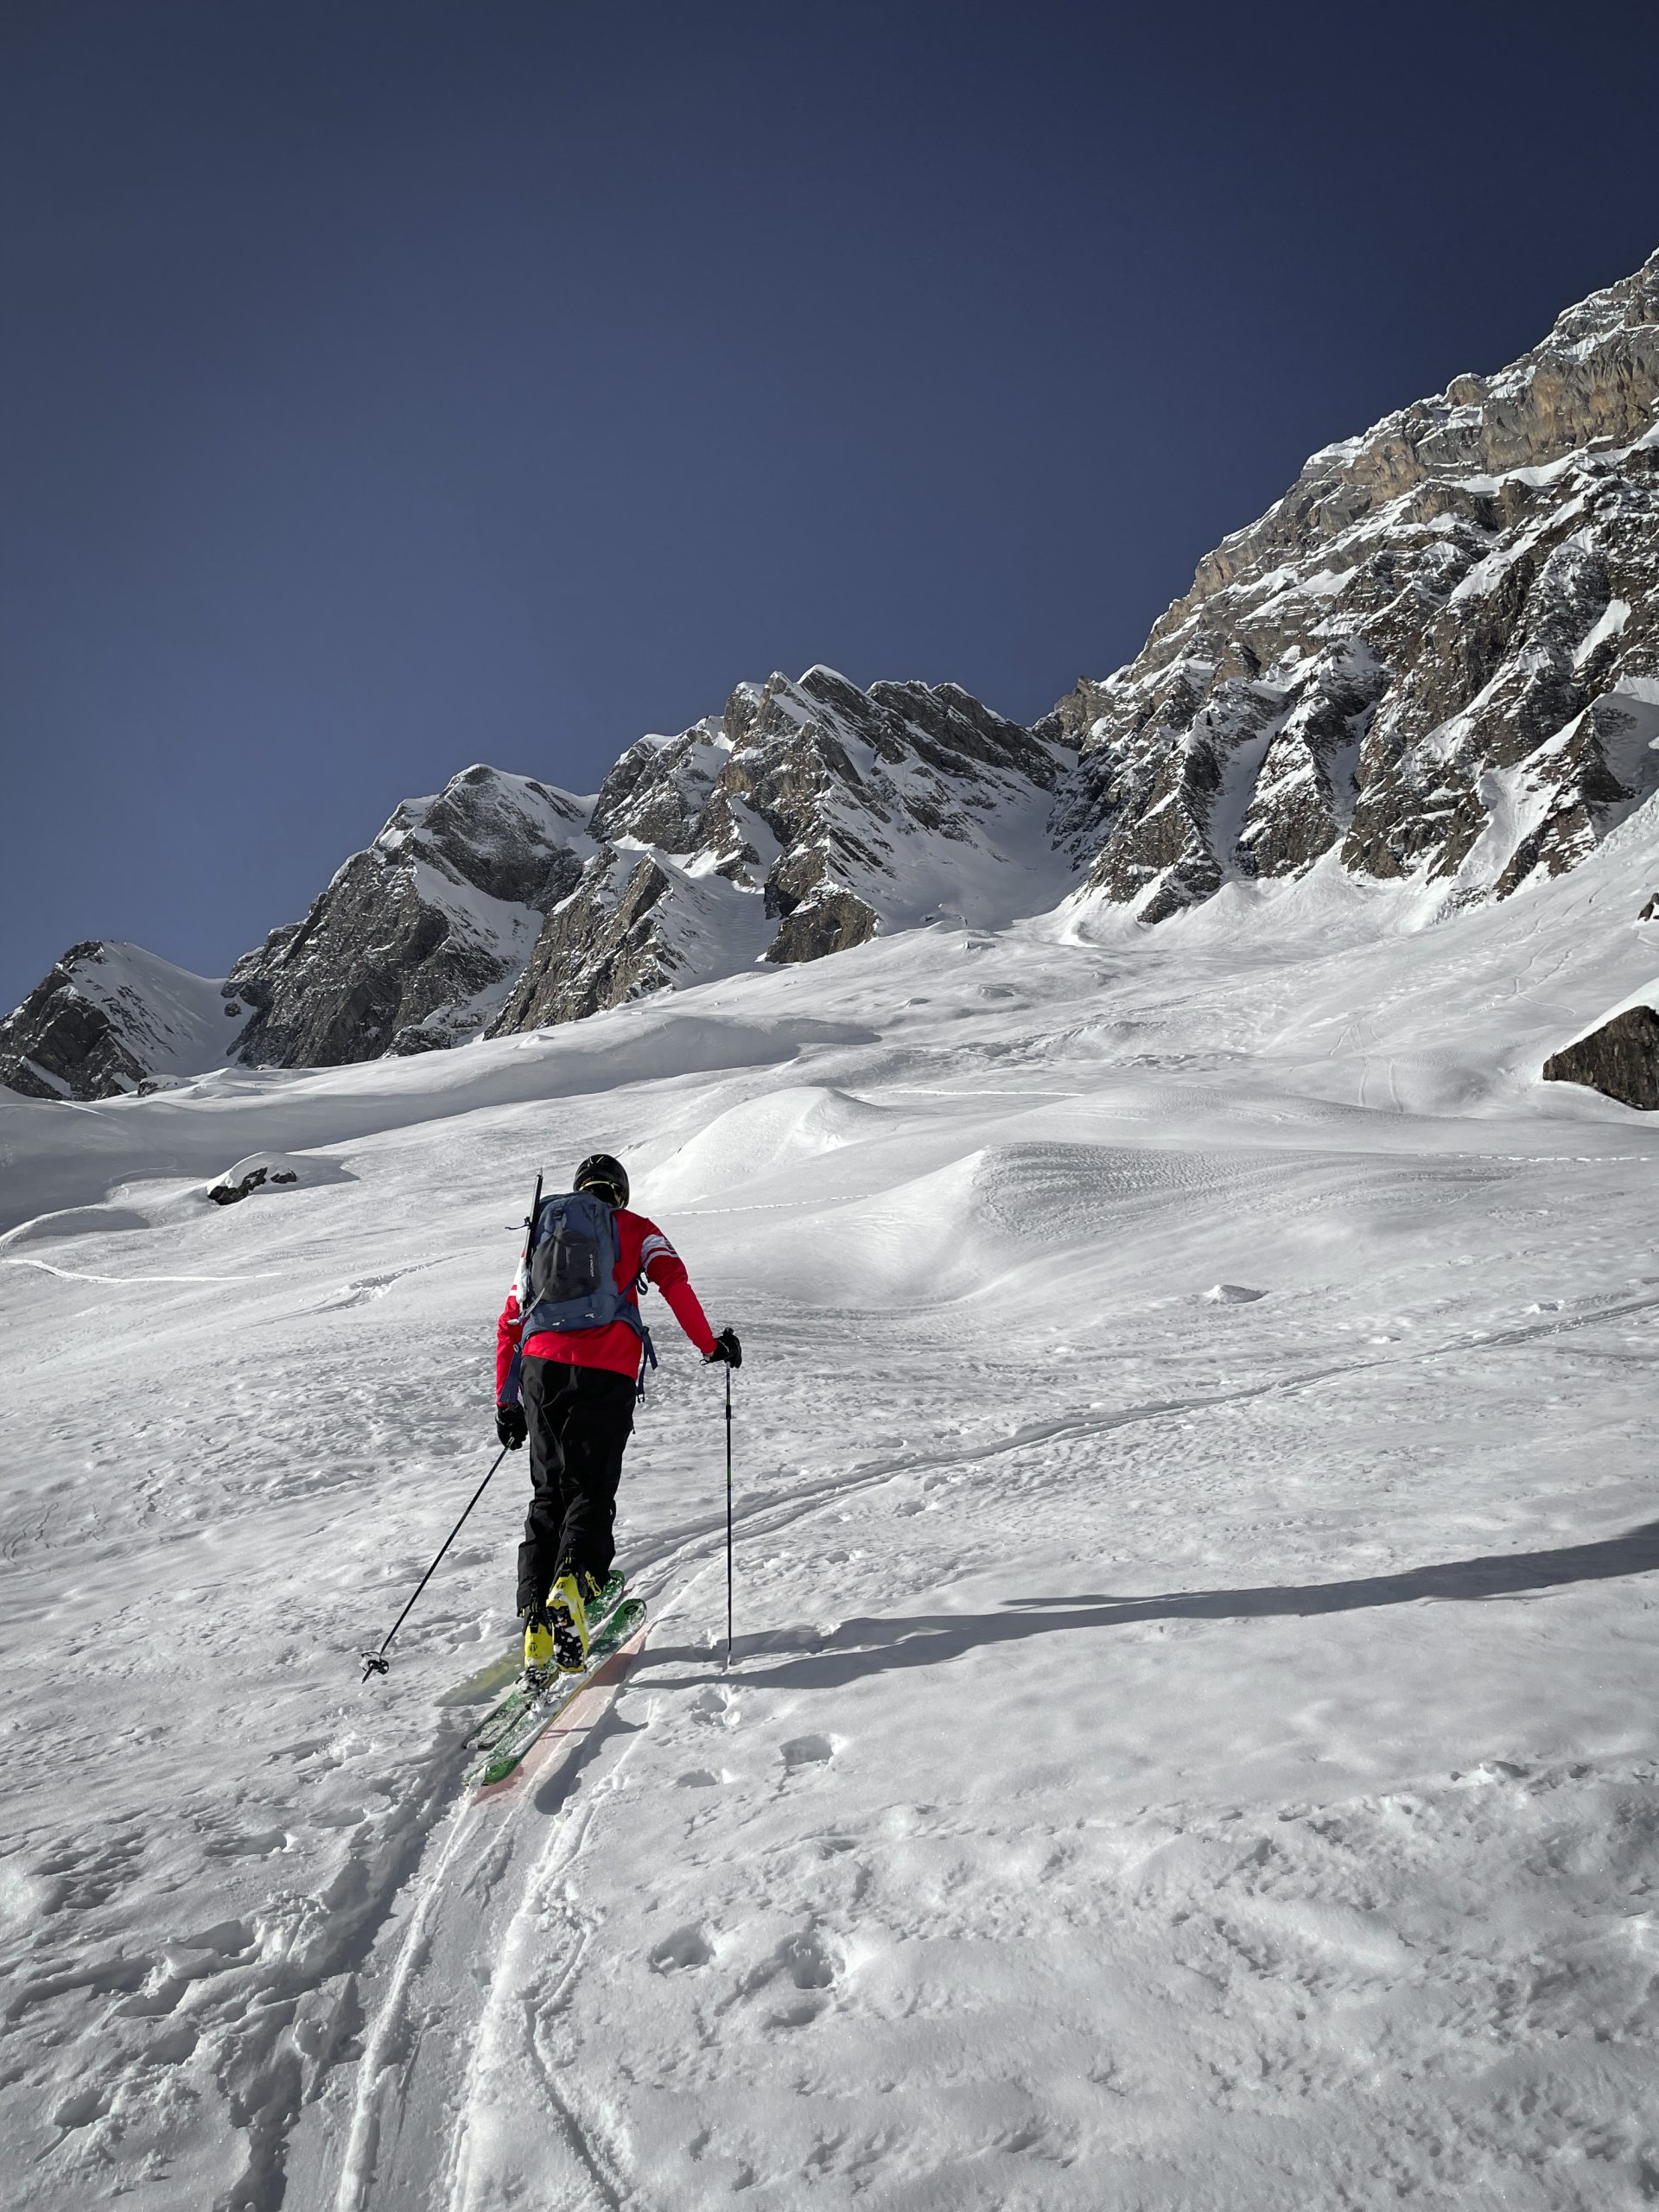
{"points": [[1190, 1741]]}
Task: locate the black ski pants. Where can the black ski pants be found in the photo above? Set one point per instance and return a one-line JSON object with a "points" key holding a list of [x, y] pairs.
{"points": [[579, 1419]]}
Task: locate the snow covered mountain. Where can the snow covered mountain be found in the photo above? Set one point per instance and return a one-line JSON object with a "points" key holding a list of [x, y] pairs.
{"points": [[109, 1018], [1438, 655], [1188, 1735], [804, 818], [419, 938], [1434, 662]]}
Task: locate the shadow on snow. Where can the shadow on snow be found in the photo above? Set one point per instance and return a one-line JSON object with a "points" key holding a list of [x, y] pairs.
{"points": [[864, 1646]]}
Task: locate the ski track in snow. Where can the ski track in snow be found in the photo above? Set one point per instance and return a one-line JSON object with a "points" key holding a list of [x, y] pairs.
{"points": [[76, 1275], [1190, 1739]]}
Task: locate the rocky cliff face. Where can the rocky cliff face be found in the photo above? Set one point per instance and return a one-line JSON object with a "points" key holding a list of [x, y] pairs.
{"points": [[419, 939], [1620, 1058], [804, 818], [1438, 656]]}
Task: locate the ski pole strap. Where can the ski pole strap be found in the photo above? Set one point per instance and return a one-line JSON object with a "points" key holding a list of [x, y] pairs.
{"points": [[649, 1360]]}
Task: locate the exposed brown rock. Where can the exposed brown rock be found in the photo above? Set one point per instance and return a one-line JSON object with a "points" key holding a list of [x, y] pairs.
{"points": [[1620, 1059], [828, 922]]}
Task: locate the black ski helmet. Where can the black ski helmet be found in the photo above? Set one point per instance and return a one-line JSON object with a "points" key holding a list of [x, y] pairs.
{"points": [[606, 1178]]}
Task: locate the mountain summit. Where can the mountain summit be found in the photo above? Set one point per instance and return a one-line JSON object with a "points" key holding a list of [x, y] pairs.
{"points": [[804, 818], [1434, 662]]}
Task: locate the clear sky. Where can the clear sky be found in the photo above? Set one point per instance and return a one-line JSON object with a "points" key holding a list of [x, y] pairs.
{"points": [[387, 385]]}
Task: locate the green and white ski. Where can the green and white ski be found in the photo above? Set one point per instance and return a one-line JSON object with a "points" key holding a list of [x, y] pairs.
{"points": [[535, 1702], [501, 1682]]}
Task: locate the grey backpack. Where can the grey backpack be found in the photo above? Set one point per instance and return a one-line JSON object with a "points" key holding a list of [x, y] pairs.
{"points": [[568, 1276]]}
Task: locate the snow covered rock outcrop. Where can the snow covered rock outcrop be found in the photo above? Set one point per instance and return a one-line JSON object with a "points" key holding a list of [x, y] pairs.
{"points": [[804, 818], [636, 923], [419, 937], [1438, 654], [108, 1018]]}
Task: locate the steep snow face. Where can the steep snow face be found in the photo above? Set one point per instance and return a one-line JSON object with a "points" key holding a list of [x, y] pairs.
{"points": [[418, 939], [108, 1019], [1438, 654], [805, 818]]}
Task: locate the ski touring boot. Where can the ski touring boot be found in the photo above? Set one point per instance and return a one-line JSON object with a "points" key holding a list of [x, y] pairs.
{"points": [[538, 1642], [567, 1608]]}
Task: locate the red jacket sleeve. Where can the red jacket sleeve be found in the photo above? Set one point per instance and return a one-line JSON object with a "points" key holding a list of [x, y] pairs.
{"points": [[507, 1331], [664, 1268]]}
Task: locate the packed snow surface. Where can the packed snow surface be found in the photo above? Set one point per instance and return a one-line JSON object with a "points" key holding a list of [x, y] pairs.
{"points": [[1190, 1740]]}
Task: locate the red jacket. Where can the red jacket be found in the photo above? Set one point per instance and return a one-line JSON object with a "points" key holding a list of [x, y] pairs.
{"points": [[644, 1250]]}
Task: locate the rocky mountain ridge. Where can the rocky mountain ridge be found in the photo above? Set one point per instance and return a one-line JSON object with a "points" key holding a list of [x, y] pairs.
{"points": [[112, 1017], [418, 939], [1434, 662], [804, 818], [1437, 655]]}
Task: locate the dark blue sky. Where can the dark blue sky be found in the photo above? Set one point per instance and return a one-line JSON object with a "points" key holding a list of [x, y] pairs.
{"points": [[389, 384]]}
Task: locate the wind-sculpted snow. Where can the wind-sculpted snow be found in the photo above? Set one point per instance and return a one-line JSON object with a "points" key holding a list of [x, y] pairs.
{"points": [[188, 1131], [743, 1149], [1189, 1733]]}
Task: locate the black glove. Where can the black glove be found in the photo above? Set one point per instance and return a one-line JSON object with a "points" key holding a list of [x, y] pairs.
{"points": [[511, 1426], [727, 1352]]}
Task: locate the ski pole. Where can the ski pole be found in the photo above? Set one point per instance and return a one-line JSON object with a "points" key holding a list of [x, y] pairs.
{"points": [[729, 1516], [376, 1662]]}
